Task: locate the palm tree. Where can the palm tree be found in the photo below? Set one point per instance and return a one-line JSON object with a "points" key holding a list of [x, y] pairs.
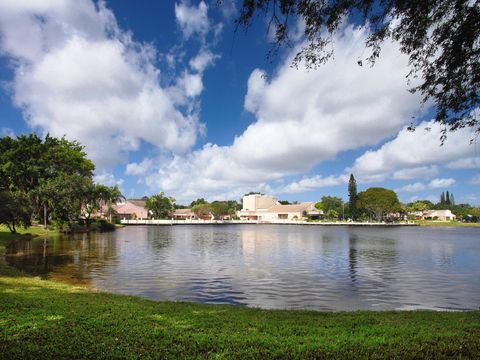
{"points": [[110, 195]]}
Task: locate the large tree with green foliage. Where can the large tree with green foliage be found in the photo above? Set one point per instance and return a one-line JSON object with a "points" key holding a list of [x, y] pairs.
{"points": [[198, 202], [98, 195], [220, 209], [441, 39], [378, 202], [15, 209], [203, 209], [53, 175], [419, 205], [66, 196], [160, 206], [332, 203]]}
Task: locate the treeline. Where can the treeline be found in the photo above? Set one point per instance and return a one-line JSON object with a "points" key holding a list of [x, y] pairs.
{"points": [[382, 204], [162, 207], [49, 181], [218, 209], [464, 212], [375, 203]]}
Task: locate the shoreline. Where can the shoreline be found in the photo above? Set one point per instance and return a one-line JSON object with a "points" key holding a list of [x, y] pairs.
{"points": [[256, 222], [294, 222]]}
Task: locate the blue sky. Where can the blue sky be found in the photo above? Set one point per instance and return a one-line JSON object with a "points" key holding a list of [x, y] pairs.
{"points": [[165, 96]]}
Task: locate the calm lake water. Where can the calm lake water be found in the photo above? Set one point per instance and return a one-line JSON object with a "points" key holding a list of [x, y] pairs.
{"points": [[270, 266]]}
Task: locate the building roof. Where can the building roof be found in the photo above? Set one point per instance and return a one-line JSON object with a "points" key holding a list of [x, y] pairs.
{"points": [[292, 208], [183, 212], [131, 207], [439, 213], [137, 202]]}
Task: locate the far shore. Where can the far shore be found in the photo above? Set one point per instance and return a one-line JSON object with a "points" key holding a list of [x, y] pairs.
{"points": [[297, 222]]}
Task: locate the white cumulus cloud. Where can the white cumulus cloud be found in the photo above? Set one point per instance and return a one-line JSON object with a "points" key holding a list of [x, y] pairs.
{"points": [[76, 73], [418, 154], [302, 118], [139, 169], [434, 184], [312, 183], [416, 172], [192, 19], [204, 59]]}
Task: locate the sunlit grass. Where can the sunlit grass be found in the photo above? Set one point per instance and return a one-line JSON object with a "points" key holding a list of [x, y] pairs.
{"points": [[5, 234]]}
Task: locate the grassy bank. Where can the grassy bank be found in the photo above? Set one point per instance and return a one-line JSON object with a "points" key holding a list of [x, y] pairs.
{"points": [[31, 231], [446, 223], [44, 320]]}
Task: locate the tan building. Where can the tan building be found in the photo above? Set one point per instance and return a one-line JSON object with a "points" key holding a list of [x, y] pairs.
{"points": [[267, 208], [184, 214]]}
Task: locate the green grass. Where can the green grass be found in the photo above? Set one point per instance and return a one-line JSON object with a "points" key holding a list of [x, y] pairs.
{"points": [[42, 319], [30, 231], [446, 223], [49, 320]]}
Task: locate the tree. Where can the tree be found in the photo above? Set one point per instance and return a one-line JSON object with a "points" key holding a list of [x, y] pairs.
{"points": [[66, 196], [462, 211], [219, 209], [233, 206], [378, 202], [332, 203], [418, 206], [111, 196], [160, 206], [253, 193], [202, 209], [442, 198], [92, 202], [98, 195], [33, 167], [441, 39], [198, 202], [446, 200], [15, 210], [331, 214], [352, 197]]}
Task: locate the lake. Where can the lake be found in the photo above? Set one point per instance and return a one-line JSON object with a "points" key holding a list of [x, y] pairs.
{"points": [[269, 266]]}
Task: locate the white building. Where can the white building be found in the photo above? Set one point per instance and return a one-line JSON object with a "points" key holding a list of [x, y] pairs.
{"points": [[442, 215], [267, 208]]}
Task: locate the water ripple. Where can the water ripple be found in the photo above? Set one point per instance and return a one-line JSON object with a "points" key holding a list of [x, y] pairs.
{"points": [[292, 267]]}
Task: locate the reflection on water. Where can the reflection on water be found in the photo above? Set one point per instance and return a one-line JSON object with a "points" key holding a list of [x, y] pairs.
{"points": [[323, 268]]}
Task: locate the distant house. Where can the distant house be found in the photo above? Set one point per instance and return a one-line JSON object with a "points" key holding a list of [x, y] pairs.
{"points": [[184, 214], [442, 215], [188, 214], [131, 209], [417, 215], [267, 208]]}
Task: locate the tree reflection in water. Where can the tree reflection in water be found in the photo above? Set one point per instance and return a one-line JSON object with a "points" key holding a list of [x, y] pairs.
{"points": [[70, 258]]}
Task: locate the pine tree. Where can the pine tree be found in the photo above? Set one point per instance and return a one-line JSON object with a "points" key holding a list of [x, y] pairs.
{"points": [[447, 198], [352, 197], [452, 199], [442, 198]]}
